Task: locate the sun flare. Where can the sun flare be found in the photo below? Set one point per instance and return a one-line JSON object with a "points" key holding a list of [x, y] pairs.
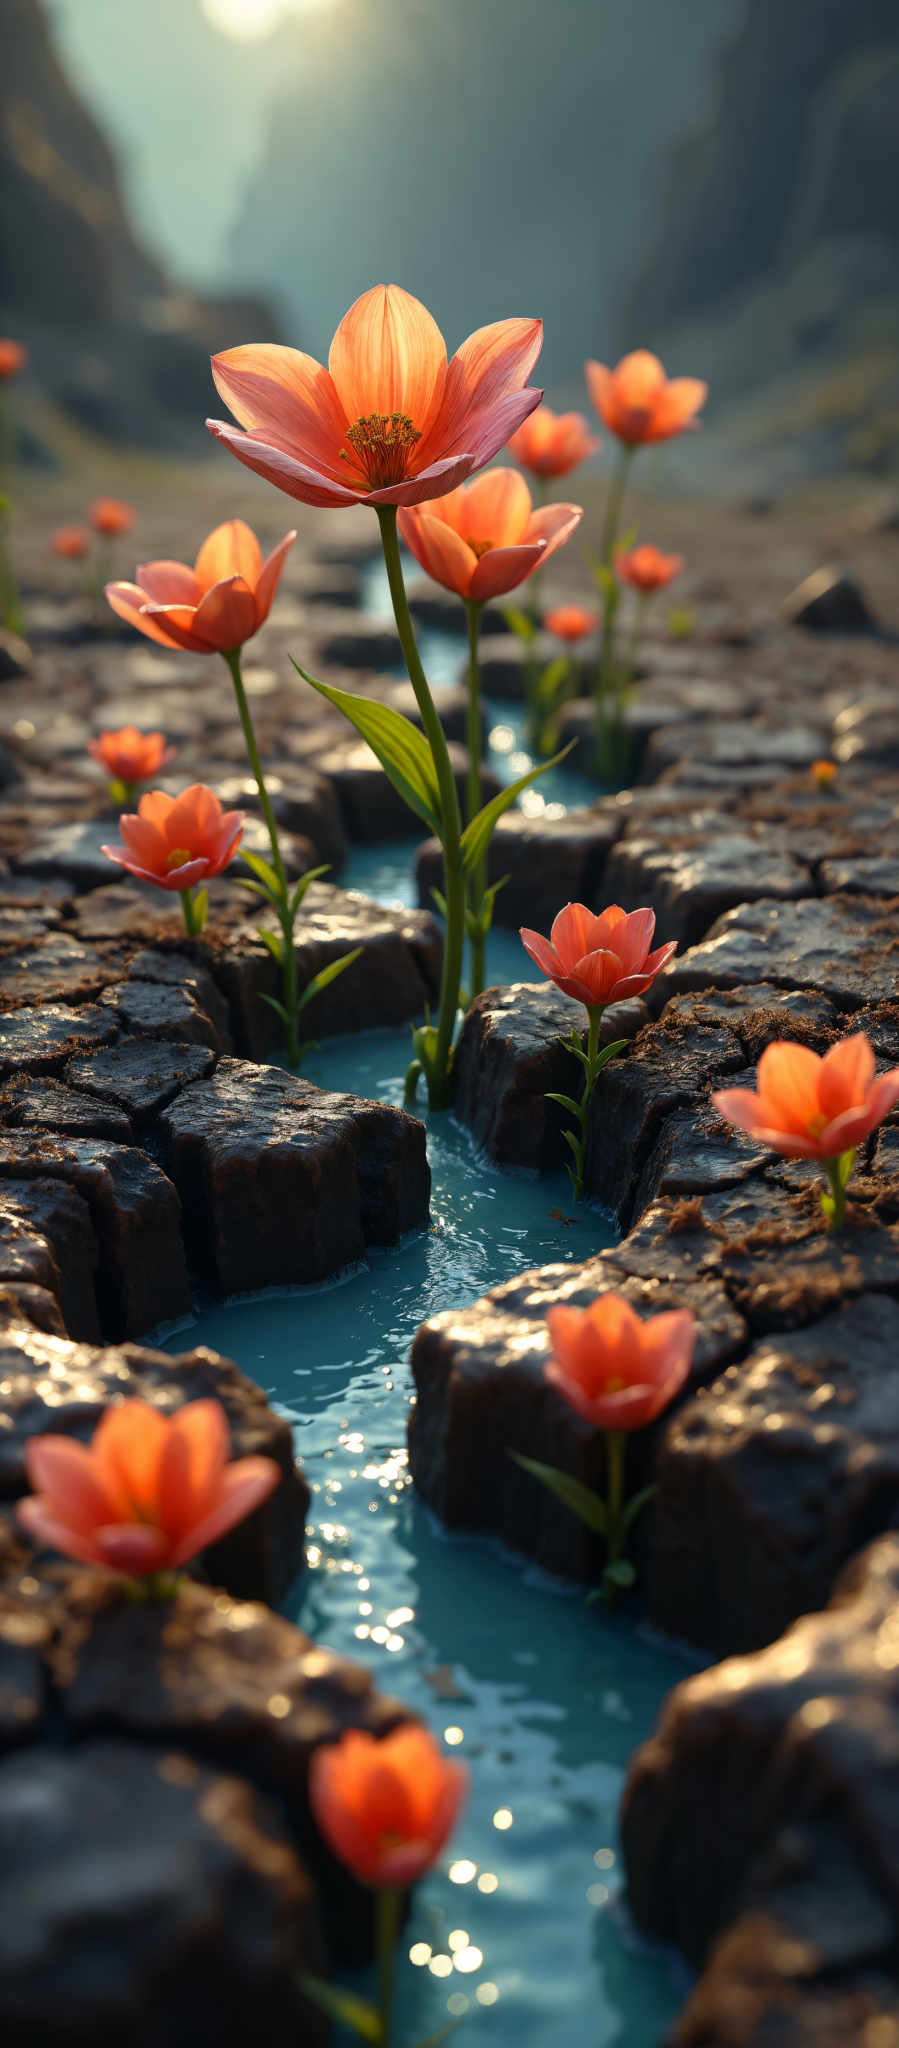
{"points": [[249, 20]]}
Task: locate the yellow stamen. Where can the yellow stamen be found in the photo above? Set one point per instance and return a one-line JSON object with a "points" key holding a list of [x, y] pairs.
{"points": [[816, 1124], [481, 547], [179, 857], [382, 444]]}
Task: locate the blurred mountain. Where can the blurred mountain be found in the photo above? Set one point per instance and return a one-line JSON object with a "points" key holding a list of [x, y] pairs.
{"points": [[493, 156], [111, 339], [776, 255]]}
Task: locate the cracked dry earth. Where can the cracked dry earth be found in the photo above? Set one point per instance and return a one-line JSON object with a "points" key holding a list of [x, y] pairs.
{"points": [[145, 1145]]}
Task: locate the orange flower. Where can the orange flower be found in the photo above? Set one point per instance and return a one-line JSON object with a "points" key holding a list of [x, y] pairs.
{"points": [[175, 841], [71, 542], [484, 537], [213, 607], [111, 516], [571, 622], [131, 756], [616, 1371], [823, 773], [389, 422], [646, 568], [386, 1808], [599, 960], [637, 401], [147, 1493], [552, 443], [807, 1107], [13, 358]]}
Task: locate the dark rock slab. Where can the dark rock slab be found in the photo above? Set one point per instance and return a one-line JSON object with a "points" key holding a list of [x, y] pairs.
{"points": [[509, 1053], [129, 911], [752, 1757], [480, 1392], [735, 744], [672, 1064], [56, 1385], [689, 883], [73, 854], [48, 1105], [160, 1010], [143, 1075], [548, 862], [144, 1899], [829, 601], [396, 975], [136, 1215], [844, 947], [875, 874], [58, 970], [304, 802], [775, 1475], [800, 1976], [42, 1039], [171, 968], [21, 1301], [47, 1237], [283, 1182]]}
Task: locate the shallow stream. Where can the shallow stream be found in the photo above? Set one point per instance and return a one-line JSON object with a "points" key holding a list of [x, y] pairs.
{"points": [[523, 1929]]}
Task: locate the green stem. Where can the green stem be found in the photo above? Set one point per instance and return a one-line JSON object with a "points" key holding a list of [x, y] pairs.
{"points": [[595, 1020], [614, 503], [191, 924], [438, 1069], [611, 524], [640, 610], [838, 1181], [616, 1446], [475, 739], [388, 1920], [289, 966]]}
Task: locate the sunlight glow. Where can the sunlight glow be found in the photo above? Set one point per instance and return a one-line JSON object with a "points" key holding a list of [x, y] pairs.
{"points": [[249, 20]]}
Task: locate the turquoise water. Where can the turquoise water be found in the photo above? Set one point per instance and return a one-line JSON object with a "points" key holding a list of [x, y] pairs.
{"points": [[523, 1930]]}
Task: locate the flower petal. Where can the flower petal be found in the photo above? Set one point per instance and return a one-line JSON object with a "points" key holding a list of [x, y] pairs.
{"points": [[45, 1529], [281, 391], [675, 408], [845, 1074], [554, 525], [270, 577], [65, 1472], [388, 355], [439, 550], [542, 953], [313, 486], [245, 1484], [491, 367], [494, 510], [226, 616], [502, 569], [231, 550], [129, 602], [168, 583]]}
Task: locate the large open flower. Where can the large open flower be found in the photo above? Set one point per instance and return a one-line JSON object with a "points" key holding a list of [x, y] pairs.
{"points": [[484, 538], [386, 1807], [215, 606], [639, 403], [806, 1107], [147, 1493], [390, 421], [177, 841], [616, 1371], [599, 960]]}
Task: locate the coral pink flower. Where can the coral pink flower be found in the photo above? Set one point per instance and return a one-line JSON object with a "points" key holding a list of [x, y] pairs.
{"points": [[637, 401], [484, 537], [13, 358], [70, 542], [599, 960], [807, 1107], [147, 1493], [111, 516], [552, 443], [213, 607], [823, 773], [131, 756], [616, 1371], [571, 622], [646, 568], [389, 422], [175, 841], [386, 1807]]}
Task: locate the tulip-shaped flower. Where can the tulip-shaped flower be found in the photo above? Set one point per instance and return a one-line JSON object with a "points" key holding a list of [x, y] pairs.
{"points": [[480, 541], [70, 543], [386, 1807], [130, 758], [177, 843], [808, 1107], [216, 606], [550, 444], [13, 358], [111, 517], [571, 622], [618, 1373], [639, 403], [597, 960], [147, 1493], [646, 569]]}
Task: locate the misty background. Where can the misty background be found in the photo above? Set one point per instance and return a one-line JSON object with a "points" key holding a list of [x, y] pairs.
{"points": [[715, 179]]}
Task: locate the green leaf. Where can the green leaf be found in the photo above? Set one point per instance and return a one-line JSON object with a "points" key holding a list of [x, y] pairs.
{"points": [[201, 908], [567, 1102], [438, 897], [274, 1004], [442, 2034], [552, 681], [573, 1139], [274, 944], [633, 1507], [326, 975], [477, 836], [311, 875], [402, 750], [258, 888], [264, 870], [520, 622], [608, 1052], [621, 1573], [356, 2013], [580, 1499], [845, 1165]]}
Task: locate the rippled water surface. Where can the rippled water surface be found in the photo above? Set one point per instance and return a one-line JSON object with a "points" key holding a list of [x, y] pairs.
{"points": [[523, 1929]]}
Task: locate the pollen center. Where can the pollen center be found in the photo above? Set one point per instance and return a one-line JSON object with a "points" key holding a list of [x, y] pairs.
{"points": [[816, 1124], [179, 857], [481, 547], [382, 444]]}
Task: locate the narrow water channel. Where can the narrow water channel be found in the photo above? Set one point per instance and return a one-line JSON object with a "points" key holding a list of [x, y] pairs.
{"points": [[523, 1931]]}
